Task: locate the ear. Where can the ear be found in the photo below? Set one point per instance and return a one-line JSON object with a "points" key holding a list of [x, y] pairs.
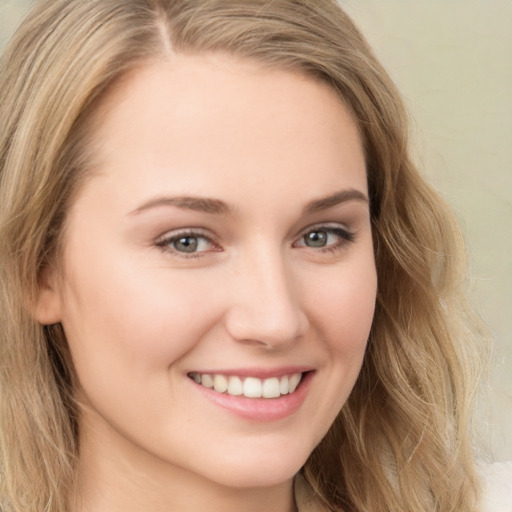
{"points": [[48, 307]]}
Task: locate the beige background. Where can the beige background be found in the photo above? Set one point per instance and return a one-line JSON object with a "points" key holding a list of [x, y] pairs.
{"points": [[452, 59]]}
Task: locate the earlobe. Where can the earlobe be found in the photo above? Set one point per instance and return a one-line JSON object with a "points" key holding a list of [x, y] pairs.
{"points": [[48, 308]]}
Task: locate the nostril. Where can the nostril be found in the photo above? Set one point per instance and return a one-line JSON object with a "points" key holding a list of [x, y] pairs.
{"points": [[272, 329]]}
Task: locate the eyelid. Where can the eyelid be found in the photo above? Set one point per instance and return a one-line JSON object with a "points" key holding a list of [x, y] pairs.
{"points": [[175, 233]]}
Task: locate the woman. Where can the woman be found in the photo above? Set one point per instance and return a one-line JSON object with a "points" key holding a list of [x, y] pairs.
{"points": [[224, 284]]}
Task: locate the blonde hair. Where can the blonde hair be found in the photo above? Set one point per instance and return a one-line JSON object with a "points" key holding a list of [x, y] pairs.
{"points": [[401, 442]]}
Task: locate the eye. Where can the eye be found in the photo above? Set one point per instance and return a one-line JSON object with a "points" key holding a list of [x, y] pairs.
{"points": [[317, 238], [325, 237], [187, 243]]}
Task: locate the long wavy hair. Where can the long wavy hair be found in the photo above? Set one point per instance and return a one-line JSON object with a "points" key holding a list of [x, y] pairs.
{"points": [[401, 442]]}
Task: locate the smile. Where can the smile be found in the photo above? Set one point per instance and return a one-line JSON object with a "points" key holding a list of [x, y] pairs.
{"points": [[250, 387]]}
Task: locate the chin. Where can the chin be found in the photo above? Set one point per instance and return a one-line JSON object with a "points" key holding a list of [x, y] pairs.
{"points": [[258, 470], [254, 477]]}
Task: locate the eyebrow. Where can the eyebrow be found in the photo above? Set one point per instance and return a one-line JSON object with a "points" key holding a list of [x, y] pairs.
{"points": [[218, 207], [197, 204], [318, 205]]}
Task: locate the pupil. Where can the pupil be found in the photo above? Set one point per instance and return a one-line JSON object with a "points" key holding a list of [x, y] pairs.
{"points": [[186, 244], [316, 239]]}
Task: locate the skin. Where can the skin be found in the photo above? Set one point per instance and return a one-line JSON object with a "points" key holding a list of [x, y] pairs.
{"points": [[140, 315]]}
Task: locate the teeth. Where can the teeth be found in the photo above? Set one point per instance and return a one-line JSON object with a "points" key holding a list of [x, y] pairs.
{"points": [[294, 382], [284, 387], [271, 388], [206, 380], [253, 388], [250, 387], [235, 386], [220, 383]]}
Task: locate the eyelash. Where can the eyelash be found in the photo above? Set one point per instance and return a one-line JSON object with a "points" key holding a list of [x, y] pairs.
{"points": [[346, 237], [166, 242]]}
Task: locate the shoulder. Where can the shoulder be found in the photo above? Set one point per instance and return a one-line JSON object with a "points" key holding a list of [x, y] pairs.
{"points": [[496, 486]]}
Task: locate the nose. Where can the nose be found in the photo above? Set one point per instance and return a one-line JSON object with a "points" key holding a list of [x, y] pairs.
{"points": [[265, 307]]}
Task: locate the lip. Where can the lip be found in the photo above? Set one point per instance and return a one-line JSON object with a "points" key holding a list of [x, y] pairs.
{"points": [[260, 409]]}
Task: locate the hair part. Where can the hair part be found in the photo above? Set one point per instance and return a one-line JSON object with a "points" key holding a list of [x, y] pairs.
{"points": [[401, 442]]}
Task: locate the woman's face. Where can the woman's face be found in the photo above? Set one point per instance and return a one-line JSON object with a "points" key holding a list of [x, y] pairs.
{"points": [[222, 239]]}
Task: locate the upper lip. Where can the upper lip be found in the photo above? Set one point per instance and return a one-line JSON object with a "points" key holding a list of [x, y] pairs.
{"points": [[260, 373]]}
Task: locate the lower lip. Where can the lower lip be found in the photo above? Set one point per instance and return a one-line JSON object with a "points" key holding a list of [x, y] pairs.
{"points": [[260, 409]]}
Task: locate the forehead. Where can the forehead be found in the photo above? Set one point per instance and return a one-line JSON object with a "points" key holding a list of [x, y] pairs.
{"points": [[201, 122]]}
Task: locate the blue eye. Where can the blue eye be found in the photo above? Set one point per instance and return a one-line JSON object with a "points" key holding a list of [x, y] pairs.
{"points": [[326, 237], [187, 243], [316, 239]]}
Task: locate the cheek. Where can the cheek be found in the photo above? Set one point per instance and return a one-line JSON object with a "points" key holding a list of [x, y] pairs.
{"points": [[122, 322], [344, 309], [341, 314], [125, 332]]}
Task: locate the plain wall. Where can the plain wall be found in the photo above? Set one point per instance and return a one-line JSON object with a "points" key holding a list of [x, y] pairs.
{"points": [[452, 60]]}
